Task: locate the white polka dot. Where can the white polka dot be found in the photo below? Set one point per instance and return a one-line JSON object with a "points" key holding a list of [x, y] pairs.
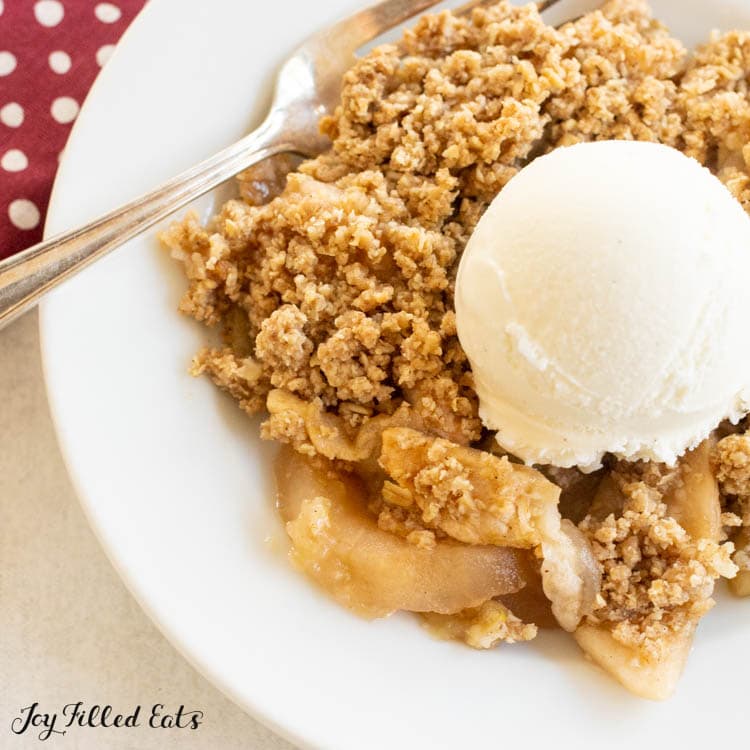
{"points": [[7, 63], [23, 214], [49, 12], [14, 161], [64, 109], [11, 115], [104, 53], [60, 62], [107, 13], [2, 7]]}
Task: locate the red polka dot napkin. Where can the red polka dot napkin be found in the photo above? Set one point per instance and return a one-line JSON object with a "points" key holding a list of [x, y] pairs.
{"points": [[50, 54]]}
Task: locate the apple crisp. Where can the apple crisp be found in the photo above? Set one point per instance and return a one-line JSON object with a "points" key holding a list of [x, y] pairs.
{"points": [[333, 291]]}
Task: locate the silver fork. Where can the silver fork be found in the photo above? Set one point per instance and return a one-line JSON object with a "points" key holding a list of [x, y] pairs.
{"points": [[307, 87]]}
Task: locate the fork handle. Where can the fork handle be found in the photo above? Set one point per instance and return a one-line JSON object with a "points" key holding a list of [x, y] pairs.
{"points": [[27, 276]]}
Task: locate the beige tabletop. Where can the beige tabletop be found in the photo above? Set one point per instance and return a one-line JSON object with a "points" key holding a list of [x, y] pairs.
{"points": [[69, 630]]}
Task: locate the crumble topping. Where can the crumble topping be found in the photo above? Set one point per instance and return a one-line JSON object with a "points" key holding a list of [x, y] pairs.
{"points": [[470, 495], [625, 88], [732, 466], [341, 288], [716, 110]]}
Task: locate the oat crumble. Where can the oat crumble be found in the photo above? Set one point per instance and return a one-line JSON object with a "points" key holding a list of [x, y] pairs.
{"points": [[732, 466]]}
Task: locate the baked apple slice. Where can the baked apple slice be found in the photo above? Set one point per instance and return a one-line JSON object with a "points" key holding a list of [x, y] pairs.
{"points": [[653, 680], [694, 500], [372, 572], [478, 498]]}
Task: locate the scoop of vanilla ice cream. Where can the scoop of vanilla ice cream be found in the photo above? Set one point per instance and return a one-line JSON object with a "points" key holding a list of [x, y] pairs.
{"points": [[604, 304]]}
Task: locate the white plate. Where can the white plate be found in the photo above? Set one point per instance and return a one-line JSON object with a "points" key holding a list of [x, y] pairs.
{"points": [[176, 483]]}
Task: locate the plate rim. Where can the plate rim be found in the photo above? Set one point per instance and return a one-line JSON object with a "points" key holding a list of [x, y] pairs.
{"points": [[251, 707]]}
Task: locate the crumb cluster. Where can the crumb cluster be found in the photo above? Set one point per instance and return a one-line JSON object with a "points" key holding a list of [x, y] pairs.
{"points": [[470, 495], [732, 466], [481, 627]]}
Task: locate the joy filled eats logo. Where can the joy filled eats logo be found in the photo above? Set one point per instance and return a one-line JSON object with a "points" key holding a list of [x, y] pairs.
{"points": [[32, 720]]}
